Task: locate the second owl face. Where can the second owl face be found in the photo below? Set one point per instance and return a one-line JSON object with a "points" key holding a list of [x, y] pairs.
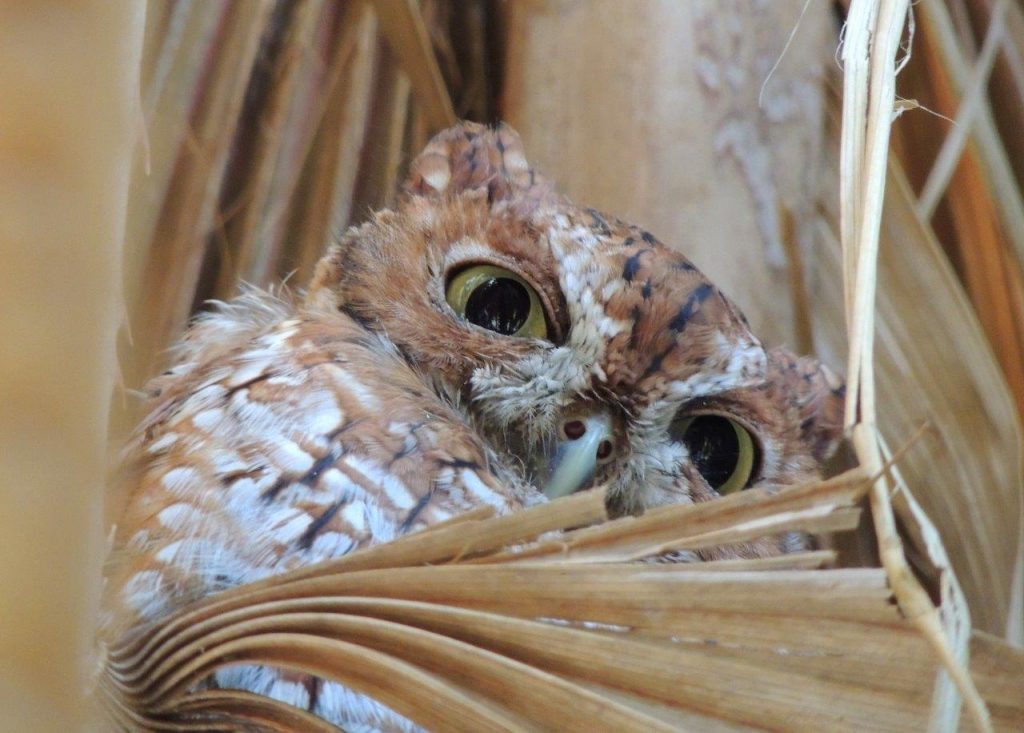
{"points": [[542, 321]]}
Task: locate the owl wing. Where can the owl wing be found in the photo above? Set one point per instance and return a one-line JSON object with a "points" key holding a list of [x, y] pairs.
{"points": [[282, 445]]}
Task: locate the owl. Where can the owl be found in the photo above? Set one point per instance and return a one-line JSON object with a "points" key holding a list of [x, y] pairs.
{"points": [[485, 342]]}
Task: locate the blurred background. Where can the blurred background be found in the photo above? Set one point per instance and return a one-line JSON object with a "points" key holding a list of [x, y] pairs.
{"points": [[226, 141]]}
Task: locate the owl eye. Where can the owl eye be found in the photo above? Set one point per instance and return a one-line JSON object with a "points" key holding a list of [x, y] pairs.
{"points": [[499, 300], [722, 450]]}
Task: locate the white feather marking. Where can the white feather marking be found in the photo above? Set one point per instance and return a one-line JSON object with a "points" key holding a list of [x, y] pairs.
{"points": [[242, 496], [611, 288], [291, 379], [514, 161], [748, 361], [610, 327], [530, 392], [287, 525], [290, 693], [289, 456], [204, 397], [230, 325], [744, 366], [139, 540], [381, 523], [227, 462], [365, 397], [256, 418], [392, 487], [248, 370], [208, 420], [437, 514], [583, 237], [579, 279], [182, 481], [183, 368], [354, 514], [425, 216], [444, 483], [358, 713], [480, 490], [168, 553], [279, 337], [339, 485], [177, 516], [214, 377], [297, 493], [211, 562], [162, 443], [247, 677], [145, 594], [438, 178], [331, 544], [321, 413], [466, 249]]}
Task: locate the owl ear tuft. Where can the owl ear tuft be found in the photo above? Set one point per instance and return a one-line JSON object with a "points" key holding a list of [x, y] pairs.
{"points": [[474, 157], [817, 394]]}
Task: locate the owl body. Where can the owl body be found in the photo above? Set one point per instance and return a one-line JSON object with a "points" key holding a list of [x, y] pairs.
{"points": [[442, 347]]}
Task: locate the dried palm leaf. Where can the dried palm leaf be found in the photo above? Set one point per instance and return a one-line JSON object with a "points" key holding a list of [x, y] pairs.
{"points": [[70, 112], [467, 635], [403, 25], [981, 221]]}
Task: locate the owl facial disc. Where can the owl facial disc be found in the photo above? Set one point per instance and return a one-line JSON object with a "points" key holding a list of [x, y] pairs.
{"points": [[585, 441]]}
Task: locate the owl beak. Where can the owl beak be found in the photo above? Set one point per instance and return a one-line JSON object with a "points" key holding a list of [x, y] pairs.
{"points": [[584, 442]]}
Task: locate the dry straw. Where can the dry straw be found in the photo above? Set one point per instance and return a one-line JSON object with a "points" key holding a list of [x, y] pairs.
{"points": [[270, 125], [65, 146]]}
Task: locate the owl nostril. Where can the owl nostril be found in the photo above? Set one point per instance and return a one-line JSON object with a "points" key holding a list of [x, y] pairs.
{"points": [[574, 429], [581, 449]]}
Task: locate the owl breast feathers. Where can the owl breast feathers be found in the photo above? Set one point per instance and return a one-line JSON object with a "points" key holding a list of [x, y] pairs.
{"points": [[484, 342]]}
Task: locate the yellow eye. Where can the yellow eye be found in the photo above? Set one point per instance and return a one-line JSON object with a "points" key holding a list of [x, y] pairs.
{"points": [[494, 298], [721, 449]]}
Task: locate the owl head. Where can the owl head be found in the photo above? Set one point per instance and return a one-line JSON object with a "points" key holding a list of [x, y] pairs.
{"points": [[579, 346]]}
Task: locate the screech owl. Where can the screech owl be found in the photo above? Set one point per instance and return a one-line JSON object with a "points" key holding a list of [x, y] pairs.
{"points": [[484, 342]]}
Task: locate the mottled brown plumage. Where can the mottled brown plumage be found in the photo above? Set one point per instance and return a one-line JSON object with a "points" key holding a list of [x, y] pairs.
{"points": [[291, 432]]}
